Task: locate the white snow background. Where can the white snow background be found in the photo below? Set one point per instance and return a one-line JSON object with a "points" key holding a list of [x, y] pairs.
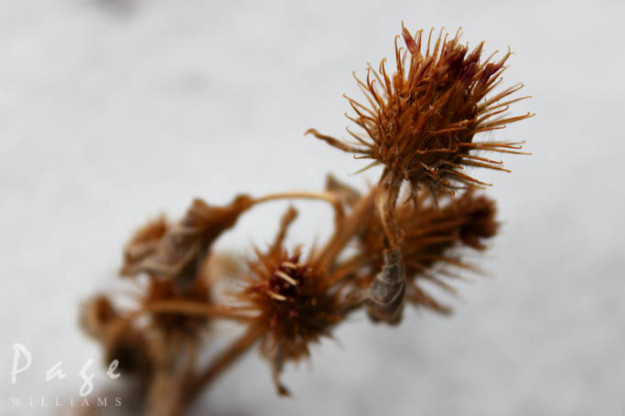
{"points": [[112, 112]]}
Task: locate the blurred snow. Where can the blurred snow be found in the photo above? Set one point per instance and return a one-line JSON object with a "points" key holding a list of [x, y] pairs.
{"points": [[112, 112]]}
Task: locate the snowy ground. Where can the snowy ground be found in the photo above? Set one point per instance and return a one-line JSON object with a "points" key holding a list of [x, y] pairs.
{"points": [[114, 111]]}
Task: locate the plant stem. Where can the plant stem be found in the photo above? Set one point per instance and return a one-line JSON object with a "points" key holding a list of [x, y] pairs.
{"points": [[226, 358], [321, 196], [195, 308], [345, 230], [165, 396]]}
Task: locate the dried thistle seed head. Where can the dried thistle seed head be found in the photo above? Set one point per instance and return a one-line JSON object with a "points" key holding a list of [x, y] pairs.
{"points": [[431, 234], [179, 251], [420, 121], [479, 213], [295, 306]]}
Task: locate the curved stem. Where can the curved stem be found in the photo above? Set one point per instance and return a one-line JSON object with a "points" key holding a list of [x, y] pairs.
{"points": [[320, 196]]}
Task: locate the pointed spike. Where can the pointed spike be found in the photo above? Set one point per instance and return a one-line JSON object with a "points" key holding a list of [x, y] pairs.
{"points": [[276, 296], [286, 277]]}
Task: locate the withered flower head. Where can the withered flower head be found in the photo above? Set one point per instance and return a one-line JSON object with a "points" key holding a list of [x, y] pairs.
{"points": [[420, 121], [431, 236], [174, 251], [143, 243], [295, 304]]}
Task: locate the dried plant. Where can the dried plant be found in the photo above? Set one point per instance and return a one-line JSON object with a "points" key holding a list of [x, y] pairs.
{"points": [[421, 122]]}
